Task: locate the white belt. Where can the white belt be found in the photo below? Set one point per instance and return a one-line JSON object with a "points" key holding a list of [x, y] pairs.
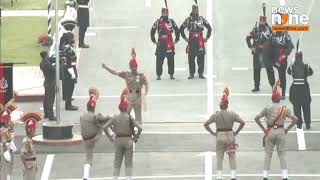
{"points": [[74, 63], [84, 6]]}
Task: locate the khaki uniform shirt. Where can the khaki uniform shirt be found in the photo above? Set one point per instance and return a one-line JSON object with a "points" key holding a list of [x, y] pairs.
{"points": [[91, 124], [121, 124], [224, 119], [134, 84], [272, 111], [28, 148]]}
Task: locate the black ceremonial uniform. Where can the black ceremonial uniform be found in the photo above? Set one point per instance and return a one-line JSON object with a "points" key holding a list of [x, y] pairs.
{"points": [[165, 26], [299, 93], [196, 48], [83, 20]]}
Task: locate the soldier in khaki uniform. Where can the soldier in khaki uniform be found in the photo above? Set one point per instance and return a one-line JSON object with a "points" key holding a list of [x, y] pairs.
{"points": [[5, 118], [91, 129], [135, 80], [28, 152], [225, 142], [275, 133], [123, 127]]}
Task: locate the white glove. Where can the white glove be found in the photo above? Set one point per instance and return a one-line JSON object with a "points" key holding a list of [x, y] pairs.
{"points": [[13, 147], [7, 156], [71, 72]]}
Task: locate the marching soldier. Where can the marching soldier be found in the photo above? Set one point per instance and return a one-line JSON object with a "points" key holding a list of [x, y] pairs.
{"points": [[5, 154], [275, 133], [260, 49], [165, 26], [8, 142], [299, 94], [83, 21], [70, 76], [281, 47], [196, 48], [134, 80], [123, 126], [225, 142], [91, 129], [49, 84], [28, 153]]}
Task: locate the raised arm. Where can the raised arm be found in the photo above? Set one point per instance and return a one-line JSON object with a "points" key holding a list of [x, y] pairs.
{"points": [[114, 72]]}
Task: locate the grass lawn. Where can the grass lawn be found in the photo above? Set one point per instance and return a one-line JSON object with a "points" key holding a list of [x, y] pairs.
{"points": [[30, 4], [19, 39]]}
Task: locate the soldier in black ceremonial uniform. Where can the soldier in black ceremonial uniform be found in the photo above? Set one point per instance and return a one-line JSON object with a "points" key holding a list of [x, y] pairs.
{"points": [[48, 68], [70, 75], [83, 21], [165, 26], [196, 48], [281, 49], [299, 94], [260, 49]]}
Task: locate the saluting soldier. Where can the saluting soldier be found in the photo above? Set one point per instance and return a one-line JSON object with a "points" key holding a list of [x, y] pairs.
{"points": [[165, 26], [261, 49], [195, 24], [275, 133], [83, 21], [5, 118], [299, 94], [91, 129], [224, 121], [28, 152], [49, 72], [282, 47], [135, 81], [123, 126]]}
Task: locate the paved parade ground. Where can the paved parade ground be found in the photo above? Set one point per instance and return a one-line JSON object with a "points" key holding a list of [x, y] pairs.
{"points": [[174, 143]]}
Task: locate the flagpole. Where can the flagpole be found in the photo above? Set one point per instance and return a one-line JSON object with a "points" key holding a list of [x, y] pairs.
{"points": [[57, 66]]}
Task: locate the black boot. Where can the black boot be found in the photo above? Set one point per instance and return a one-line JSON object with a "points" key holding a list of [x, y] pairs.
{"points": [[201, 76], [191, 76], [70, 107], [82, 45], [255, 89], [158, 78], [265, 178], [172, 77], [308, 126]]}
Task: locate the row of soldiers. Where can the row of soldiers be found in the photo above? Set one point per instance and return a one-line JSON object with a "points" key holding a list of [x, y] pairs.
{"points": [[271, 49], [8, 147]]}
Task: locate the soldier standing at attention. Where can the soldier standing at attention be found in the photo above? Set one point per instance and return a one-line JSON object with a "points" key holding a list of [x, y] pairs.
{"points": [[91, 129], [83, 21], [123, 127], [260, 49], [165, 26], [275, 133], [225, 142], [135, 81], [195, 24], [299, 94], [28, 152], [49, 73]]}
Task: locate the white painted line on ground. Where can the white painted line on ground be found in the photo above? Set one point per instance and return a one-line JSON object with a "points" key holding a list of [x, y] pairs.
{"points": [[282, 2], [210, 99], [301, 139], [113, 27], [41, 108], [204, 132], [32, 13], [193, 95], [200, 176], [148, 3], [90, 34], [47, 167], [239, 68], [180, 69], [208, 164]]}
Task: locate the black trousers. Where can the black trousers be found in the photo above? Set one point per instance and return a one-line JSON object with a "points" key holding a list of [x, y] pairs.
{"points": [[170, 62], [69, 88], [257, 72], [49, 95], [283, 76], [306, 113], [82, 33], [192, 64]]}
